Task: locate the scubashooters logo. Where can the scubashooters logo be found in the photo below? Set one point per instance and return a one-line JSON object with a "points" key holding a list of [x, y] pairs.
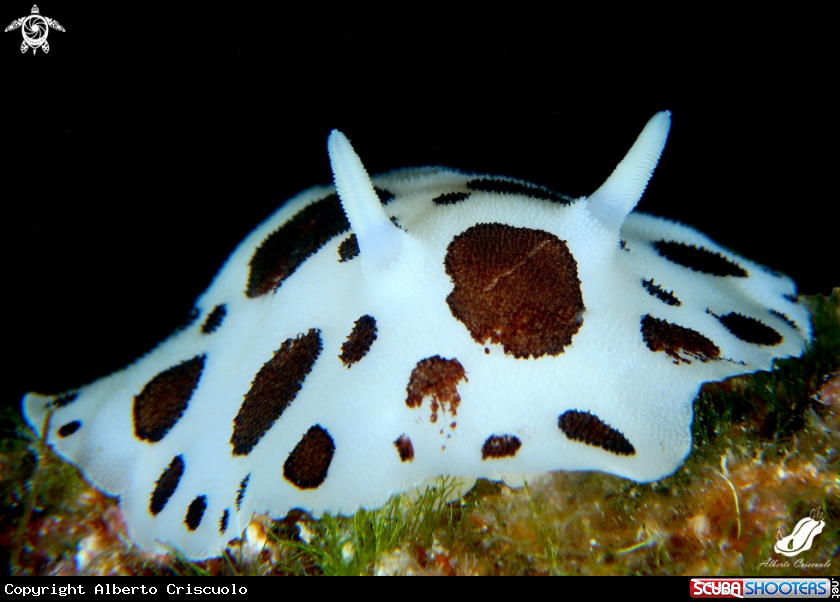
{"points": [[749, 587]]}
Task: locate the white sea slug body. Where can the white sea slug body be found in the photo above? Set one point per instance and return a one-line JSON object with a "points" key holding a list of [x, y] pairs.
{"points": [[424, 322]]}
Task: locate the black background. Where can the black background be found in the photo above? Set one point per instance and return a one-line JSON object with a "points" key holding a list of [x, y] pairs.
{"points": [[152, 139]]}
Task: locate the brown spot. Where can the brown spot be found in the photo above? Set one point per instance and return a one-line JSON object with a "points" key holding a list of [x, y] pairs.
{"points": [[291, 244], [164, 399], [223, 522], [214, 319], [515, 286], [167, 484], [307, 465], [660, 293], [274, 388], [486, 351], [405, 448], [589, 429], [348, 248], [240, 493], [385, 196], [69, 428], [450, 198], [675, 340], [500, 446], [784, 318], [437, 378], [699, 260], [358, 341], [196, 512], [750, 330]]}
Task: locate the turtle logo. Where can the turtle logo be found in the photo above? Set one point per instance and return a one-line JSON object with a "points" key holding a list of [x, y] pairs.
{"points": [[803, 535], [35, 29]]}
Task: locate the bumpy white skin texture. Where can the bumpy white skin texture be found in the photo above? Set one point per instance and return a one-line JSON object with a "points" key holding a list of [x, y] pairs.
{"points": [[607, 369]]}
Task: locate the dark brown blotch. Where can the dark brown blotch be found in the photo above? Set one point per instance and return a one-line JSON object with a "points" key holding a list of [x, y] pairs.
{"points": [[437, 378], [784, 318], [660, 293], [359, 340], [588, 428], [450, 198], [500, 446], [750, 330], [405, 448], [240, 493], [699, 260], [167, 484], [223, 521], [69, 428], [214, 319], [348, 248], [196, 512], [385, 196], [508, 187], [307, 465], [291, 244], [164, 399], [515, 286], [397, 223], [273, 389], [677, 341]]}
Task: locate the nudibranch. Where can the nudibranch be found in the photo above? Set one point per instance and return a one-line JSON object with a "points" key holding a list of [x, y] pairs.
{"points": [[371, 336]]}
